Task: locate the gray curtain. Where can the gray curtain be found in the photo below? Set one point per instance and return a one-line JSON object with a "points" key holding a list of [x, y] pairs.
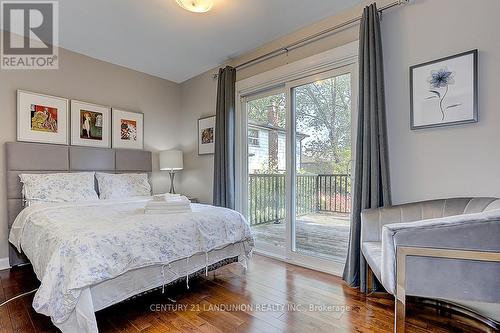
{"points": [[371, 184], [224, 159]]}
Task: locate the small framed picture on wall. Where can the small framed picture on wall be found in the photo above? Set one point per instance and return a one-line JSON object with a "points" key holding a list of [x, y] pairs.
{"points": [[443, 92], [128, 129], [90, 125], [206, 135], [42, 118]]}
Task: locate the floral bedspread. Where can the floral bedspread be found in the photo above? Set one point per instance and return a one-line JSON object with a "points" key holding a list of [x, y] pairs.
{"points": [[73, 246]]}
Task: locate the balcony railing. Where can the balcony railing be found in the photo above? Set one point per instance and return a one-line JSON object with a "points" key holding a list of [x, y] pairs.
{"points": [[314, 193]]}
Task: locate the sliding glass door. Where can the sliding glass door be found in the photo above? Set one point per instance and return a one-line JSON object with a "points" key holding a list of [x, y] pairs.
{"points": [[266, 167], [321, 119], [297, 168]]}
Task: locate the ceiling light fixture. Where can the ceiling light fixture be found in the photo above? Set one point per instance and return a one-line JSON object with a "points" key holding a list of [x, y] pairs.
{"points": [[196, 6]]}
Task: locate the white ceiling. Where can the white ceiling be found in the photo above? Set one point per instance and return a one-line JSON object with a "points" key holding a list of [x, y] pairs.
{"points": [[160, 38]]}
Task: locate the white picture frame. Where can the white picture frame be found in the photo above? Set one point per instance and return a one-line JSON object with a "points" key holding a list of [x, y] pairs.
{"points": [[206, 135], [42, 118], [443, 92], [90, 125], [128, 129]]}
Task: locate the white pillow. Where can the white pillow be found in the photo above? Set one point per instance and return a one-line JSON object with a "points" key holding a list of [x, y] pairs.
{"points": [[58, 187], [122, 185]]}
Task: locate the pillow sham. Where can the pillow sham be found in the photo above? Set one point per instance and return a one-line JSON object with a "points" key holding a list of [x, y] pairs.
{"points": [[58, 187], [122, 185]]}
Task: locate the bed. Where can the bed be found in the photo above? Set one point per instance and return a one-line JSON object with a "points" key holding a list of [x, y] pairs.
{"points": [[93, 254]]}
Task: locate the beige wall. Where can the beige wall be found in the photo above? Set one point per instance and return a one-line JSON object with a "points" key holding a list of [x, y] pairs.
{"points": [[198, 97], [453, 161], [87, 79]]}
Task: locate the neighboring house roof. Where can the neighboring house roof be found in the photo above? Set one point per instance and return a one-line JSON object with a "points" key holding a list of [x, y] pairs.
{"points": [[267, 127]]}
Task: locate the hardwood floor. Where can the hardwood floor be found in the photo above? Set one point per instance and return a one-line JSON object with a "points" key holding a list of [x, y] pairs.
{"points": [[223, 302]]}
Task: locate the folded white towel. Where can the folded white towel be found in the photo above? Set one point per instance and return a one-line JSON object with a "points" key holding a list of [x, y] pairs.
{"points": [[167, 208], [166, 196], [168, 204]]}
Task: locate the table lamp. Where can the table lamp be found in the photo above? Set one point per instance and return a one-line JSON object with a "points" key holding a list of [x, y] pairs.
{"points": [[171, 160]]}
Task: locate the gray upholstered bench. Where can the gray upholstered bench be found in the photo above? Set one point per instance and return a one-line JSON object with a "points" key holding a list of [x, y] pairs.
{"points": [[446, 249]]}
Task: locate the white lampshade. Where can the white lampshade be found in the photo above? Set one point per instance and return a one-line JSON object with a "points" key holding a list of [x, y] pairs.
{"points": [[171, 160]]}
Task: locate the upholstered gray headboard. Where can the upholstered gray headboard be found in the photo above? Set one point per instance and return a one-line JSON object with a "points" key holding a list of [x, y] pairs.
{"points": [[23, 157]]}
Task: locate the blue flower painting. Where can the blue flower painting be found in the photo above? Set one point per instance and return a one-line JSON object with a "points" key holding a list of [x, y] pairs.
{"points": [[441, 78], [439, 82], [443, 92]]}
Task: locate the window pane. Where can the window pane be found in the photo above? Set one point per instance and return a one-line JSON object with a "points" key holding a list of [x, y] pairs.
{"points": [[323, 154], [266, 168]]}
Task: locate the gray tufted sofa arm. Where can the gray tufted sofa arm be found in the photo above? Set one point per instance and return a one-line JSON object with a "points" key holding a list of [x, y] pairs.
{"points": [[373, 220]]}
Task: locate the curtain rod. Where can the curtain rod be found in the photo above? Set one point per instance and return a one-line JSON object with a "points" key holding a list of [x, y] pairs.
{"points": [[306, 40]]}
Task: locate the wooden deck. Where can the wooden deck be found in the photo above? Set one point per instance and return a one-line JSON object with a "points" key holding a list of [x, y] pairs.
{"points": [[324, 235]]}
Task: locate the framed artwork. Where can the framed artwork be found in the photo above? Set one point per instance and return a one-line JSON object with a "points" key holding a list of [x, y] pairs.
{"points": [[206, 135], [42, 118], [90, 125], [443, 92], [128, 129]]}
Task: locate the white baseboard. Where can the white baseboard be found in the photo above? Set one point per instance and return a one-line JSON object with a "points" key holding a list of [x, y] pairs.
{"points": [[334, 270], [4, 263]]}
